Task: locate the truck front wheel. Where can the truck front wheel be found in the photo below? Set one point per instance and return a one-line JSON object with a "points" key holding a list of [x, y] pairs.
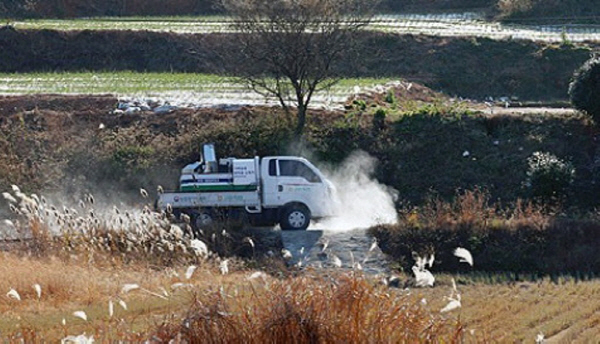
{"points": [[295, 217]]}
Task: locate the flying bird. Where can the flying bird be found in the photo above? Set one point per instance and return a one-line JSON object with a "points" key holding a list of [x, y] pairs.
{"points": [[80, 315], [13, 294], [464, 255]]}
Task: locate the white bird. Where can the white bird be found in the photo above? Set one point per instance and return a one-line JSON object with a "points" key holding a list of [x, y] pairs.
{"points": [[287, 255], [452, 305], [223, 267], [373, 246], [13, 294], [249, 241], [423, 277], [431, 260], [539, 339], [325, 244], [80, 315], [38, 290], [190, 271], [336, 261], [129, 287], [464, 255]]}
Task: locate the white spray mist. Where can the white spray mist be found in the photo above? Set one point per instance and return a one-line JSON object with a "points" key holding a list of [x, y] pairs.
{"points": [[364, 202]]}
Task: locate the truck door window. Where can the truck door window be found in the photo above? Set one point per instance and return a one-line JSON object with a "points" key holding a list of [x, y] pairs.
{"points": [[272, 168], [294, 168]]}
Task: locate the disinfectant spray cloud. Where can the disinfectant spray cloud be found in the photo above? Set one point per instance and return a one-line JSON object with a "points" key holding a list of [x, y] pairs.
{"points": [[363, 201]]}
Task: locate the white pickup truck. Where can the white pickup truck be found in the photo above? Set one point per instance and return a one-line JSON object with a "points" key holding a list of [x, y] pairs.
{"points": [[284, 190]]}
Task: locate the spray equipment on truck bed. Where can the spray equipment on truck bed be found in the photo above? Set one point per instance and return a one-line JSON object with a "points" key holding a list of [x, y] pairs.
{"points": [[228, 174]]}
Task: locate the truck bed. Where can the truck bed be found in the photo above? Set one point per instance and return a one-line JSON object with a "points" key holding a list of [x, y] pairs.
{"points": [[209, 199]]}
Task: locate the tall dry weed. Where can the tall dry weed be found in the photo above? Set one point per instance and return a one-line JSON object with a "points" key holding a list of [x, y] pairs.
{"points": [[310, 309]]}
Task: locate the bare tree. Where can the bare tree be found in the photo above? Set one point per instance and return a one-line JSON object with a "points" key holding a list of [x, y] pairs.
{"points": [[288, 47]]}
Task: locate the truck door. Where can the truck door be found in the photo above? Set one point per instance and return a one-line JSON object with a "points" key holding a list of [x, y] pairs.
{"points": [[269, 172], [293, 180]]}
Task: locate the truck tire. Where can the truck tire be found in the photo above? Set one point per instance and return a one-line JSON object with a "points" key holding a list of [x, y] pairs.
{"points": [[295, 217], [202, 219]]}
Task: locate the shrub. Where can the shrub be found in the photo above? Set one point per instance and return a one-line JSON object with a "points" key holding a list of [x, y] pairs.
{"points": [[584, 90], [379, 120], [510, 7], [548, 177], [521, 238]]}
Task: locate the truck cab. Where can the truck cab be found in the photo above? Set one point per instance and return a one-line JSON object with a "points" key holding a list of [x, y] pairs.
{"points": [[298, 189]]}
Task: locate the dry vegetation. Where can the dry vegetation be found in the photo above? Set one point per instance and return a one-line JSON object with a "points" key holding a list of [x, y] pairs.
{"points": [[224, 300], [129, 273]]}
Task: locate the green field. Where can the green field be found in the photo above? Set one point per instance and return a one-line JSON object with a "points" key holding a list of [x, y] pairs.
{"points": [[183, 87]]}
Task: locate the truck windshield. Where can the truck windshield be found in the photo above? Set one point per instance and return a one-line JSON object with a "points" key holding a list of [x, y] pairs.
{"points": [[294, 168]]}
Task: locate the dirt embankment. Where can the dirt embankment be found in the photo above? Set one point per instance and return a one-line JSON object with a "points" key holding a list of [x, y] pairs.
{"points": [[466, 67]]}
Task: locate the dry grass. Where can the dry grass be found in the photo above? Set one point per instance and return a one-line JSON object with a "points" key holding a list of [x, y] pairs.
{"points": [[347, 308], [83, 272], [311, 307]]}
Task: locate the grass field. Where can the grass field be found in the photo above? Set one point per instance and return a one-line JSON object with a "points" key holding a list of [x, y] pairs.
{"points": [[516, 312], [179, 88], [453, 25]]}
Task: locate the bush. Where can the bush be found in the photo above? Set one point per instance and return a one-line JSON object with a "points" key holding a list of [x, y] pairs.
{"points": [[521, 238], [548, 177], [584, 90]]}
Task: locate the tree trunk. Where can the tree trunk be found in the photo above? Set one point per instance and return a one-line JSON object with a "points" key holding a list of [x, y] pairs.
{"points": [[301, 121]]}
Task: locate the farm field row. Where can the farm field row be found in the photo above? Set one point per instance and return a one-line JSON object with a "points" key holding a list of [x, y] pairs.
{"points": [[518, 312], [447, 25], [182, 89]]}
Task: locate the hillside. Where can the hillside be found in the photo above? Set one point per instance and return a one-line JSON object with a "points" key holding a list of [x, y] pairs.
{"points": [[420, 146]]}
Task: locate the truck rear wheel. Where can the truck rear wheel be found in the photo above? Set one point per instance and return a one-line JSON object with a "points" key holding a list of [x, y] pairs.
{"points": [[203, 219], [295, 217]]}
